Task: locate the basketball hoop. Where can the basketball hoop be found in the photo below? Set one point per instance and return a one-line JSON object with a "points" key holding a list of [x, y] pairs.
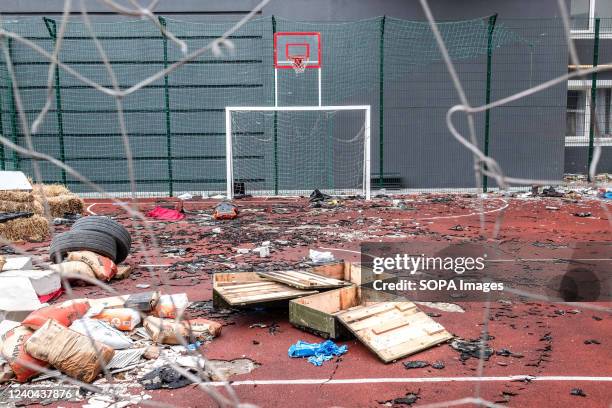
{"points": [[298, 63]]}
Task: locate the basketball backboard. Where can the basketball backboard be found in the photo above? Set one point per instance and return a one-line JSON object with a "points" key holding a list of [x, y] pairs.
{"points": [[299, 50]]}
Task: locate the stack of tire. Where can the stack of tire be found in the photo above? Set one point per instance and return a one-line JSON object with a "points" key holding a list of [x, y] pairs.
{"points": [[98, 234]]}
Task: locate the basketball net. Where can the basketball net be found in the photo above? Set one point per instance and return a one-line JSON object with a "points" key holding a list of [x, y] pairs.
{"points": [[298, 64]]}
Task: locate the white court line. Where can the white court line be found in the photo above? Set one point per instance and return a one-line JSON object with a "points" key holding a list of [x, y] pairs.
{"points": [[89, 209], [318, 381], [503, 207]]}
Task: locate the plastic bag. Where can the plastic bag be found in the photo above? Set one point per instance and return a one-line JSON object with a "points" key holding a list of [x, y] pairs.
{"points": [[70, 352], [13, 350], [317, 353], [321, 256], [120, 318], [104, 268], [170, 306], [64, 313], [102, 332]]}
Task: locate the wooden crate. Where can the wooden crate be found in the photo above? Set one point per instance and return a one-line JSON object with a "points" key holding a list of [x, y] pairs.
{"points": [[247, 288], [316, 313], [392, 330]]}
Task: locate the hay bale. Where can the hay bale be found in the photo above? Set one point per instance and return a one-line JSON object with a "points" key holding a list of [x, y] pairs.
{"points": [[16, 206], [34, 228], [50, 190], [60, 206], [17, 196]]}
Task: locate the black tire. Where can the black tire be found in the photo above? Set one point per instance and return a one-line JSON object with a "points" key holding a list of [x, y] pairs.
{"points": [[105, 225], [82, 240]]}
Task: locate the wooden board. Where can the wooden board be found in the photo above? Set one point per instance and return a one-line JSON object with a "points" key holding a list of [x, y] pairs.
{"points": [[393, 330], [247, 288], [303, 279]]}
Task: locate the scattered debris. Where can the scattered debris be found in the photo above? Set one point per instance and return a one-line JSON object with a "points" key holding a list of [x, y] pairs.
{"points": [[168, 331], [409, 399], [13, 263], [120, 318], [438, 365], [472, 349], [416, 364], [507, 353], [317, 196], [218, 370], [577, 392], [225, 211], [320, 257], [582, 214], [152, 353], [171, 306], [551, 192], [18, 298], [126, 358], [102, 332], [185, 196], [46, 283], [164, 377]]}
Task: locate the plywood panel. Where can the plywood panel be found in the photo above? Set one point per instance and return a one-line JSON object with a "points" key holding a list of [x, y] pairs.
{"points": [[240, 289], [393, 330], [303, 279]]}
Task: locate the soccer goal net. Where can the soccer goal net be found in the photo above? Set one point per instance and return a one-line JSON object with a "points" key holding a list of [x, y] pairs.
{"points": [[292, 150]]}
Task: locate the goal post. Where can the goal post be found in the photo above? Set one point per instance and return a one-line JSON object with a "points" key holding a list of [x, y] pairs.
{"points": [[288, 150]]}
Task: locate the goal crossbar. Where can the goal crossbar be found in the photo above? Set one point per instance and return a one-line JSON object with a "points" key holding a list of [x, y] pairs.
{"points": [[228, 136]]}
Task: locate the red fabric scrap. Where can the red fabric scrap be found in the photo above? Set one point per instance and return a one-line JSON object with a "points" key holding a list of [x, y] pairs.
{"points": [[51, 296], [165, 214]]}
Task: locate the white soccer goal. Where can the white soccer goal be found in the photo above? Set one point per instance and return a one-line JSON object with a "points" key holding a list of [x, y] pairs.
{"points": [[292, 150]]}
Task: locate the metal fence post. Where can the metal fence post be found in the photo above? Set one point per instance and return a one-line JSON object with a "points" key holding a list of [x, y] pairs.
{"points": [[2, 158], [162, 21], [593, 99], [490, 28], [381, 104], [275, 128], [14, 125], [52, 28]]}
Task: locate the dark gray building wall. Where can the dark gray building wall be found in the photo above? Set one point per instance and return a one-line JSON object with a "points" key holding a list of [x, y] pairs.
{"points": [[338, 10]]}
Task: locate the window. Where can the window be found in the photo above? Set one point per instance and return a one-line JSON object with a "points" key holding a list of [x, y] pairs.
{"points": [[575, 119], [583, 13], [580, 13], [578, 114]]}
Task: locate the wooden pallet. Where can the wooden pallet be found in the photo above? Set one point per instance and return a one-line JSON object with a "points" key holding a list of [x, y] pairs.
{"points": [[393, 330], [303, 279], [247, 288]]}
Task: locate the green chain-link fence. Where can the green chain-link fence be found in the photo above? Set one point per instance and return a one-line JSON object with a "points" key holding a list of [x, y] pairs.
{"points": [[176, 125]]}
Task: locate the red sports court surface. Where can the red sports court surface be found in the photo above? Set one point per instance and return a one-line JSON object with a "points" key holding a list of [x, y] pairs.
{"points": [[549, 337]]}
